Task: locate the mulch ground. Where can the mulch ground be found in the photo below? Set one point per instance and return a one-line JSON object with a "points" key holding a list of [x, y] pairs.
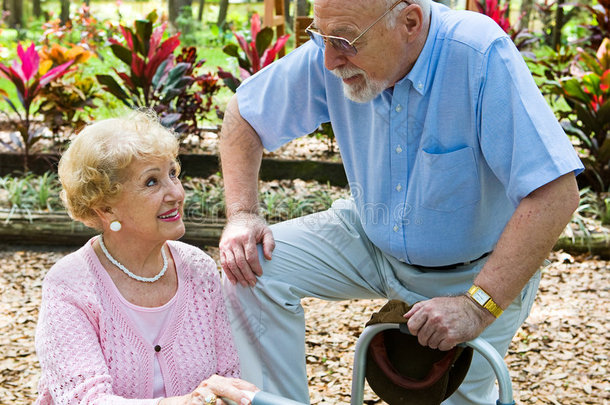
{"points": [[560, 355]]}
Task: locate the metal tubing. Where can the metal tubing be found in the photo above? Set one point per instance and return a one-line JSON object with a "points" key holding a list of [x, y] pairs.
{"points": [[360, 358], [484, 348], [498, 365], [265, 398]]}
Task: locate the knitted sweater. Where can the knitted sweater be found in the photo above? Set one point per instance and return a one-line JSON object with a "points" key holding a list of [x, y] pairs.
{"points": [[91, 353]]}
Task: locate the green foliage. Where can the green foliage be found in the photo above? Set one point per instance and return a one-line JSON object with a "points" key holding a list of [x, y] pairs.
{"points": [[158, 79], [325, 132], [593, 209], [600, 27], [256, 53], [549, 66], [588, 119], [68, 102], [30, 193], [188, 26], [554, 16], [204, 200], [81, 28], [29, 77]]}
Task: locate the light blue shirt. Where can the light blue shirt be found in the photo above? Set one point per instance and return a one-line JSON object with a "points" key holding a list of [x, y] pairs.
{"points": [[438, 164]]}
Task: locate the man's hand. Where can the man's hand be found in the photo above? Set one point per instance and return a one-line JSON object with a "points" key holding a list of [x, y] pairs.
{"points": [[443, 322], [238, 252]]}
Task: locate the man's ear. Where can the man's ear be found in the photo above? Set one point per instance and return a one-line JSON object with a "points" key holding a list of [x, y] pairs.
{"points": [[412, 19]]}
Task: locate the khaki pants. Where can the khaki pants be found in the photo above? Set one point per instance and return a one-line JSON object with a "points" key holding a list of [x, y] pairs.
{"points": [[328, 256]]}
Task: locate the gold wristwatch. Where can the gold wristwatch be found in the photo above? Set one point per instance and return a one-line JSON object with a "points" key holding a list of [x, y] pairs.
{"points": [[483, 299]]}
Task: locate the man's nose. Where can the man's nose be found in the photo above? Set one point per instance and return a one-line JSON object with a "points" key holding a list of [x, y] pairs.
{"points": [[332, 58]]}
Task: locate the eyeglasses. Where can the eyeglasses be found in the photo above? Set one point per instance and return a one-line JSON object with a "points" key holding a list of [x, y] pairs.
{"points": [[341, 44]]}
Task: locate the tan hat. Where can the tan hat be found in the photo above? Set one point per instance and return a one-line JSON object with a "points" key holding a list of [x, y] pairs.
{"points": [[401, 371]]}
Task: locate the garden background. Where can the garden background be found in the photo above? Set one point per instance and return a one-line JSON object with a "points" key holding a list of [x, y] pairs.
{"points": [[64, 64]]}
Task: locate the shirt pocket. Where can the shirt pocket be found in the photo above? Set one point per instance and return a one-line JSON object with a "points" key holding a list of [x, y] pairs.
{"points": [[448, 181]]}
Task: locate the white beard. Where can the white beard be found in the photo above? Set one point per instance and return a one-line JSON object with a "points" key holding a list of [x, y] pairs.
{"points": [[360, 93]]}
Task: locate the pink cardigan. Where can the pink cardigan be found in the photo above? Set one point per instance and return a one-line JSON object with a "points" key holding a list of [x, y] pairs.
{"points": [[90, 352]]}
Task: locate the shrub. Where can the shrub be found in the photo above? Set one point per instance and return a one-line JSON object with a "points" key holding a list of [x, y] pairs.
{"points": [[500, 14], [82, 29], [158, 79], [29, 78], [257, 53], [588, 95], [68, 101]]}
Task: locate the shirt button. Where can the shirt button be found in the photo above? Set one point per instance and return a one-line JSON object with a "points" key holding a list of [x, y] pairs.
{"points": [[398, 108], [398, 187], [395, 228], [157, 348], [420, 85], [398, 149]]}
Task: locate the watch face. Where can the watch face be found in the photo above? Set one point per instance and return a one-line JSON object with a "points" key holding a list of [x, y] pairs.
{"points": [[480, 296]]}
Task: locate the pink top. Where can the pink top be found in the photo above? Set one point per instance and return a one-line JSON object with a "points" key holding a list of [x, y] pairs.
{"points": [[150, 322], [90, 351]]}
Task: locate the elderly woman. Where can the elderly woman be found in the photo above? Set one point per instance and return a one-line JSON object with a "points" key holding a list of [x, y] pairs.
{"points": [[133, 317]]}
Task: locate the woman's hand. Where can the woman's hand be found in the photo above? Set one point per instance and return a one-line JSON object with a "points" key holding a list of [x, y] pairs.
{"points": [[216, 387]]}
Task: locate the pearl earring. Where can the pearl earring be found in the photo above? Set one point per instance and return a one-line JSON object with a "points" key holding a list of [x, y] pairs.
{"points": [[115, 226]]}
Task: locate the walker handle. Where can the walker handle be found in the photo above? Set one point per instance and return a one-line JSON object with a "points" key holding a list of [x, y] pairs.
{"points": [[484, 348], [265, 398]]}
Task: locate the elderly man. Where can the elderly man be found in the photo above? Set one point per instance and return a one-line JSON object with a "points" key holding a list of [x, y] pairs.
{"points": [[461, 181]]}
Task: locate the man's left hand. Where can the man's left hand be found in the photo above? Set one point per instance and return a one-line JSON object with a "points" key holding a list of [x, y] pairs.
{"points": [[443, 322]]}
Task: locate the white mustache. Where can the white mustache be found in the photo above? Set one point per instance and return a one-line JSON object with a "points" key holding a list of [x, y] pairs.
{"points": [[347, 72]]}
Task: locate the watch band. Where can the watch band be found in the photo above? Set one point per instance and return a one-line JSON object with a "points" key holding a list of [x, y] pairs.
{"points": [[478, 295]]}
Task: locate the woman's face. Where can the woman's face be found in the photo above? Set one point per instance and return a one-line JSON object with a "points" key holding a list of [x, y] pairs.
{"points": [[150, 206]]}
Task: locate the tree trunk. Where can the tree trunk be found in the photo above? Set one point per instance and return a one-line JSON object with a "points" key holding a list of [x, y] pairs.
{"points": [[36, 8], [526, 11], [559, 17], [15, 8], [201, 6], [303, 8], [222, 13], [65, 11], [287, 15], [175, 7]]}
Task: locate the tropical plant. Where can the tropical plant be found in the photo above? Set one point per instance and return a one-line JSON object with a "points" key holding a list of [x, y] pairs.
{"points": [[29, 82], [69, 100], [600, 29], [156, 78], [500, 14], [553, 16], [549, 66], [258, 52], [82, 28], [194, 102], [588, 119]]}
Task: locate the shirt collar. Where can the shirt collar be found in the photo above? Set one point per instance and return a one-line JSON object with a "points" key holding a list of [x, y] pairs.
{"points": [[418, 75]]}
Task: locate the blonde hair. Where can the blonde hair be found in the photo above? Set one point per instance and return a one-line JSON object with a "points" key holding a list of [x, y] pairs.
{"points": [[92, 170]]}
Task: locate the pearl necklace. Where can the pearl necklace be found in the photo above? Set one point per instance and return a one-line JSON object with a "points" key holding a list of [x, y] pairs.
{"points": [[129, 273]]}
